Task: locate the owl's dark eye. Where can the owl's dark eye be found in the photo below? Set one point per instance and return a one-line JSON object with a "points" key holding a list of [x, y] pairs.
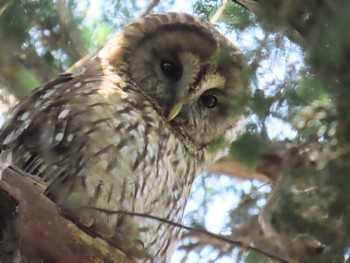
{"points": [[170, 69], [209, 101]]}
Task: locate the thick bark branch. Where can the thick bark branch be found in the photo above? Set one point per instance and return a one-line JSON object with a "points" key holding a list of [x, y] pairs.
{"points": [[42, 228]]}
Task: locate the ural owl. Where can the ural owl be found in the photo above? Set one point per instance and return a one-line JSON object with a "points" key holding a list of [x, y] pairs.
{"points": [[133, 130]]}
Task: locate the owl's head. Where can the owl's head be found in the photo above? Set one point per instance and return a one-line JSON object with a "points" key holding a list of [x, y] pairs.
{"points": [[187, 69]]}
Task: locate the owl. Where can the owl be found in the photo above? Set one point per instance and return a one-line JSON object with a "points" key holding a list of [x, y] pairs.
{"points": [[133, 130]]}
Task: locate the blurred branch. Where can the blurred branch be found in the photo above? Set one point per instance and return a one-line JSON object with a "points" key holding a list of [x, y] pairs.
{"points": [[77, 48], [23, 70], [219, 12], [199, 240], [3, 7], [41, 227], [251, 5], [77, 67], [33, 62], [198, 231], [246, 233], [292, 17], [80, 64], [270, 164], [232, 167], [150, 7]]}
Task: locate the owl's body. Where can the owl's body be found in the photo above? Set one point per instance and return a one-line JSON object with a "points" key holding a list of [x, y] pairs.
{"points": [[114, 136]]}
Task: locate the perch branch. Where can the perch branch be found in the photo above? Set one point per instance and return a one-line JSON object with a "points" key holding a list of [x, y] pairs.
{"points": [[42, 228], [199, 231]]}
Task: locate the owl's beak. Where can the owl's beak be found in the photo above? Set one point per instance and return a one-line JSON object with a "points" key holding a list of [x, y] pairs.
{"points": [[175, 110]]}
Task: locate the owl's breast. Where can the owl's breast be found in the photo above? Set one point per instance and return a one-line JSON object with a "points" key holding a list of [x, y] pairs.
{"points": [[139, 153], [138, 164]]}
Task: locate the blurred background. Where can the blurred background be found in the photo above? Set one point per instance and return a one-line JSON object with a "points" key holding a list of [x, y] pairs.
{"points": [[284, 187]]}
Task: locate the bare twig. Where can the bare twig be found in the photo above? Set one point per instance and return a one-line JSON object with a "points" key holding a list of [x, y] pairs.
{"points": [[219, 12], [3, 7], [80, 64], [150, 7], [197, 230]]}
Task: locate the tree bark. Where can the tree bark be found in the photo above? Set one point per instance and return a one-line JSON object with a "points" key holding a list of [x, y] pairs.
{"points": [[42, 227]]}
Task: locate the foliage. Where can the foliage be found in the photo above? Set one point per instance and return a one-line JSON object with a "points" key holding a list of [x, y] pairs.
{"points": [[307, 213]]}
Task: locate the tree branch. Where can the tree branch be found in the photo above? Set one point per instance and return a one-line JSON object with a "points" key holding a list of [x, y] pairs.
{"points": [[251, 5], [231, 167], [150, 7], [198, 231], [219, 12], [80, 64], [65, 16], [42, 228]]}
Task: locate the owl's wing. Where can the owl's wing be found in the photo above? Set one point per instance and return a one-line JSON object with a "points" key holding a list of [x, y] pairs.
{"points": [[65, 127], [46, 131], [34, 123], [75, 122]]}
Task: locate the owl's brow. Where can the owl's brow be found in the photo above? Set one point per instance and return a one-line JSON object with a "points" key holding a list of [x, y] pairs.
{"points": [[203, 70], [215, 91], [176, 27]]}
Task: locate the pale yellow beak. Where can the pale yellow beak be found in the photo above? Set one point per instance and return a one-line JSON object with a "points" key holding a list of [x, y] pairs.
{"points": [[175, 110]]}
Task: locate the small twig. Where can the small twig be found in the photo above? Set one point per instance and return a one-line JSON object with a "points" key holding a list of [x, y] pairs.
{"points": [[150, 7], [77, 66], [201, 231], [3, 8], [219, 12], [250, 5]]}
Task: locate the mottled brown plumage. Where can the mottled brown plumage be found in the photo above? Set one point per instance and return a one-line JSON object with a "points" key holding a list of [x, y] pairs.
{"points": [[133, 130]]}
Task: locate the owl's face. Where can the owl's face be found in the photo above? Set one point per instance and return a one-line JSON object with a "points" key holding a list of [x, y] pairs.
{"points": [[188, 70]]}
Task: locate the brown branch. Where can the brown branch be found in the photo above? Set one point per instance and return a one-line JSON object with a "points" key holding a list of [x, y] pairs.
{"points": [[41, 227], [251, 5], [268, 170], [197, 230], [230, 166]]}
